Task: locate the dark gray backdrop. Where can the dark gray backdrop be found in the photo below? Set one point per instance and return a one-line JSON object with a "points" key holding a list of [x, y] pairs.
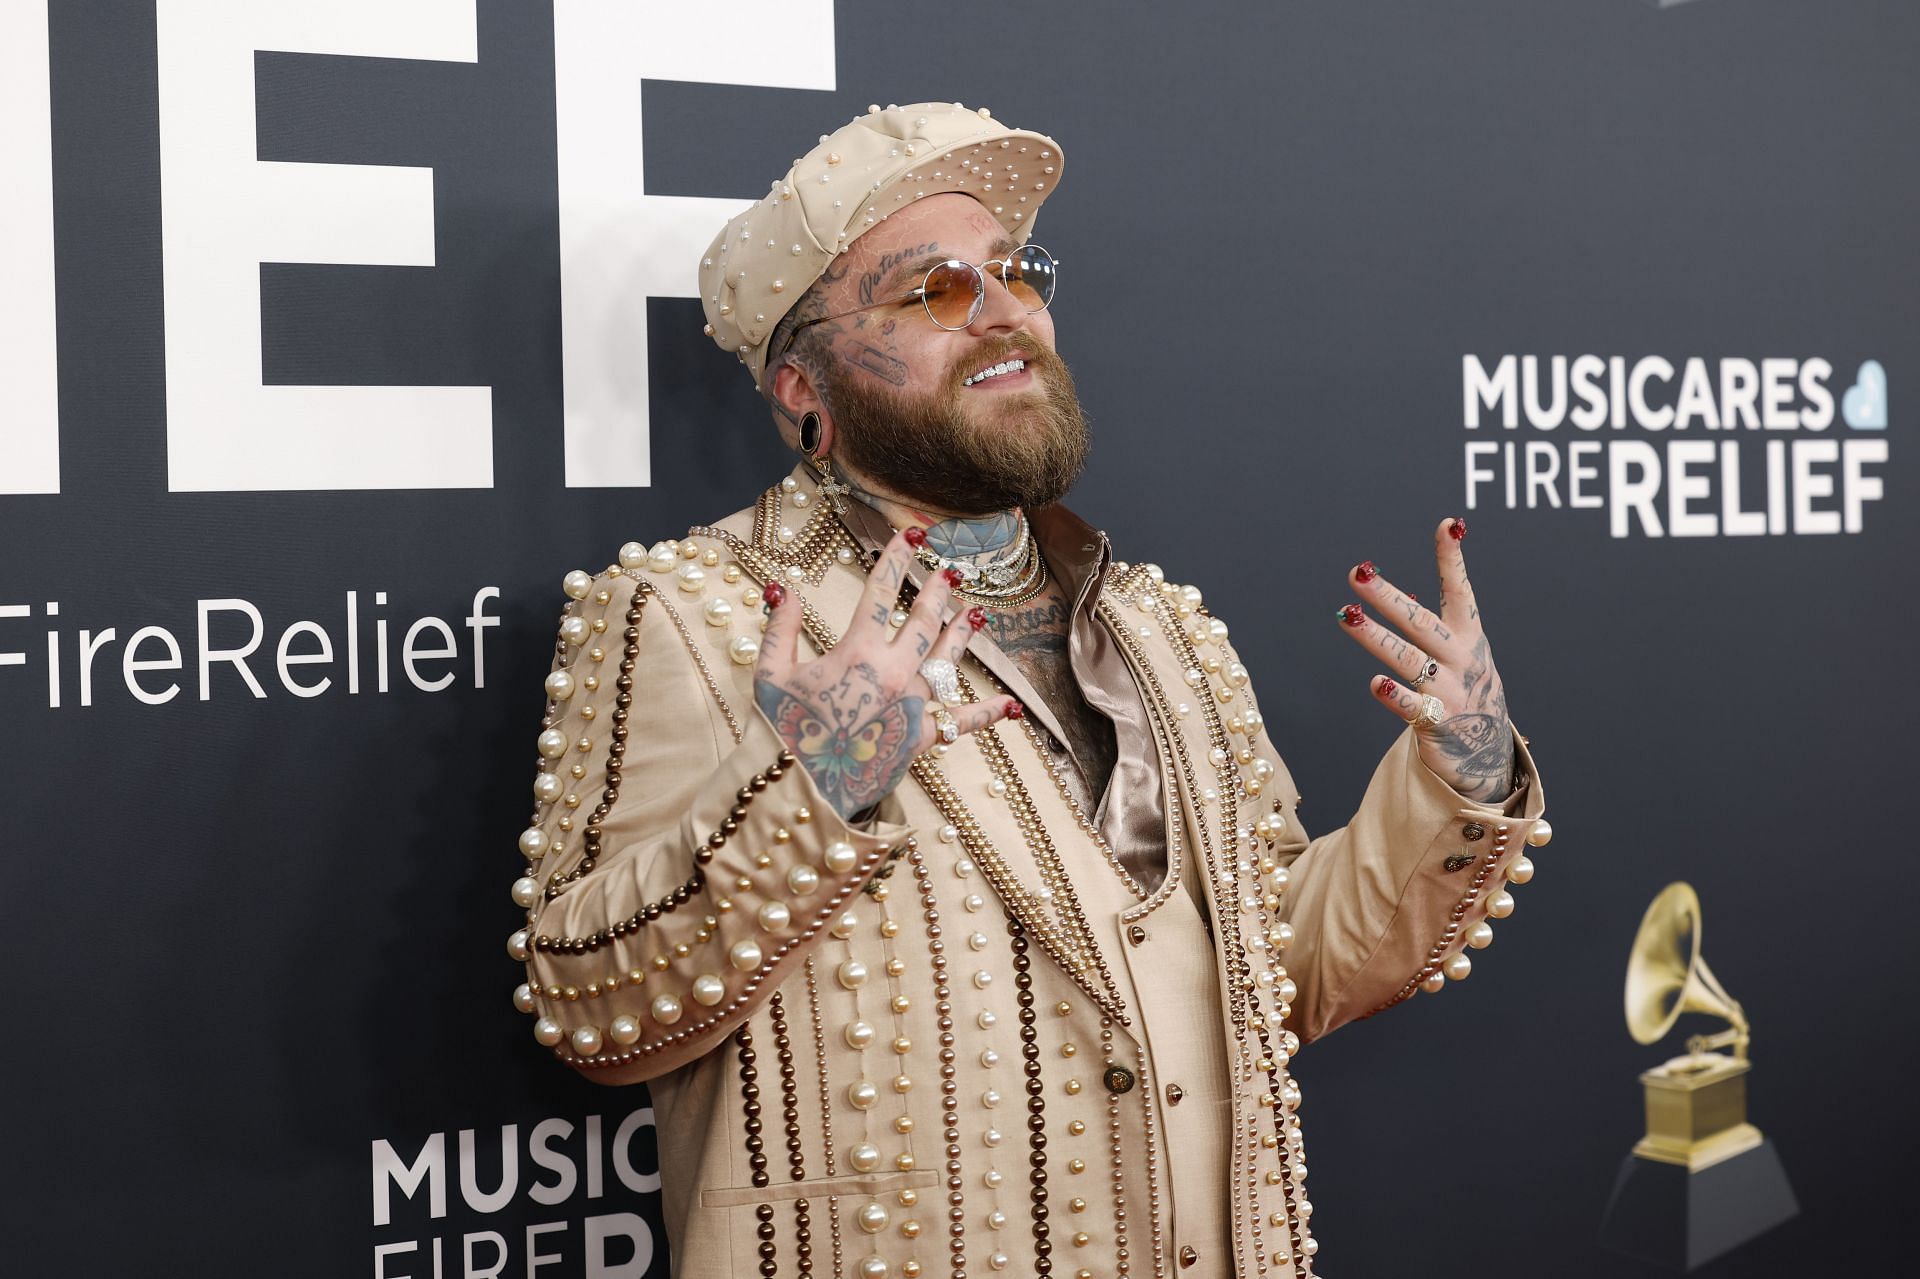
{"points": [[257, 936]]}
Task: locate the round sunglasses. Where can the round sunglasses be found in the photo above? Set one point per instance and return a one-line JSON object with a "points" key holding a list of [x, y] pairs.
{"points": [[954, 291]]}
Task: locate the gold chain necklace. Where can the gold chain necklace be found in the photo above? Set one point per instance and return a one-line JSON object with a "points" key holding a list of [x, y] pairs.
{"points": [[1005, 584], [1032, 583]]}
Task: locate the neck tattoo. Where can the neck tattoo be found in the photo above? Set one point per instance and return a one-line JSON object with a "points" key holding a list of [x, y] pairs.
{"points": [[959, 538], [971, 537]]}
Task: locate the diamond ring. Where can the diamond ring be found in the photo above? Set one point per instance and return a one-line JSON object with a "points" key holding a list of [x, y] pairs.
{"points": [[943, 678]]}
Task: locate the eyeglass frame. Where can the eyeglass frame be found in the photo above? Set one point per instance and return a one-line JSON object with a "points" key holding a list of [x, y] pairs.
{"points": [[973, 312]]}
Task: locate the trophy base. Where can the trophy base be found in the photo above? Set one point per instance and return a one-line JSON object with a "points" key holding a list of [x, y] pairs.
{"points": [[1660, 1211], [1703, 1153]]}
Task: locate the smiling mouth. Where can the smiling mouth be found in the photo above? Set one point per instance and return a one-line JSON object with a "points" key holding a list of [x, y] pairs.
{"points": [[995, 371]]}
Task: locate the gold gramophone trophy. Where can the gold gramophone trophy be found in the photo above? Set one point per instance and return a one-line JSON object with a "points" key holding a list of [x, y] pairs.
{"points": [[1702, 1180]]}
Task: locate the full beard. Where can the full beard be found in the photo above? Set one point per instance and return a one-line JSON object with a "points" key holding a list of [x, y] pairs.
{"points": [[928, 451]]}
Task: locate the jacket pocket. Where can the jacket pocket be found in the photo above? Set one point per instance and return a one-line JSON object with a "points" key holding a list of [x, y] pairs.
{"points": [[863, 1183]]}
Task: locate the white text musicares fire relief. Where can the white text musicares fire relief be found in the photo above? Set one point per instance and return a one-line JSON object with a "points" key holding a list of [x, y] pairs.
{"points": [[1726, 448]]}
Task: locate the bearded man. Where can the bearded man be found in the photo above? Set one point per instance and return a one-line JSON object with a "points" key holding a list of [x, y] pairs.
{"points": [[955, 903]]}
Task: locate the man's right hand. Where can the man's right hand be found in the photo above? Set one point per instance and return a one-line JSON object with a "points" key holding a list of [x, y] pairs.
{"points": [[856, 716]]}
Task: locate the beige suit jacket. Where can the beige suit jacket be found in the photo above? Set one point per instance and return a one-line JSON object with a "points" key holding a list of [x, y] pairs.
{"points": [[957, 1041]]}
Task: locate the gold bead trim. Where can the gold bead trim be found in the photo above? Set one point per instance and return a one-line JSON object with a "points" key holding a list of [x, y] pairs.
{"points": [[1436, 954], [702, 855], [756, 1148], [1072, 947], [1277, 1079], [1085, 822], [814, 548], [699, 659], [1227, 897], [1036, 1101], [754, 981], [826, 1107], [1123, 1257], [1244, 1005], [949, 1083], [790, 1115], [616, 747], [1156, 1219]]}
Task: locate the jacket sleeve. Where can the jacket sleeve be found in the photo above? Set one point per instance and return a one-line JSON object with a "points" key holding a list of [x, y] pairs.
{"points": [[675, 875], [1371, 912]]}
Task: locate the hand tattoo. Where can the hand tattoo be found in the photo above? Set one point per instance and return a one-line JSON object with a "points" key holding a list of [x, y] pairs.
{"points": [[1480, 748], [854, 741], [1480, 738]]}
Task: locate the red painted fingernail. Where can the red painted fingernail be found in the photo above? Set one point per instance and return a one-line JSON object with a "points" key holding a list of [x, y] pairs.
{"points": [[915, 535], [1386, 687], [775, 594], [1353, 615], [953, 576], [977, 618], [1413, 597], [1457, 529], [1366, 572], [1016, 711]]}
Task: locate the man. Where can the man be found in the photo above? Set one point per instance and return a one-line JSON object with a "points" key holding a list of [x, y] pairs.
{"points": [[955, 905]]}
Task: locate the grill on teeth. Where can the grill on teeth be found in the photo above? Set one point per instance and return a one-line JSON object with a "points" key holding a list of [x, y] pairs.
{"points": [[1011, 366]]}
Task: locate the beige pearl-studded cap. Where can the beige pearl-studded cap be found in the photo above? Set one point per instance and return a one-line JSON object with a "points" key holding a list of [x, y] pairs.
{"points": [[765, 258]]}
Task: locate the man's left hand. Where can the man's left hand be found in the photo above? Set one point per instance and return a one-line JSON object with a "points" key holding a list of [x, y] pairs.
{"points": [[1470, 745]]}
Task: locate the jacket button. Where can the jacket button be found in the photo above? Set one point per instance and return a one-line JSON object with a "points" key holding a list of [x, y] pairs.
{"points": [[1459, 862], [1188, 1257], [1118, 1079], [1136, 934], [1174, 1093], [1473, 831]]}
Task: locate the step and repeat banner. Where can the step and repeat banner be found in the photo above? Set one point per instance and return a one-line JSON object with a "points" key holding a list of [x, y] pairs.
{"points": [[335, 332]]}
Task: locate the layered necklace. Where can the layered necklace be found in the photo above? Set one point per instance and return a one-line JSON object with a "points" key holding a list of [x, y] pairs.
{"points": [[1012, 577]]}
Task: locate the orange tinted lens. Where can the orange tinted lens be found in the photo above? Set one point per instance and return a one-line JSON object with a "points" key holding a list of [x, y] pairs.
{"points": [[951, 291], [1030, 277]]}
